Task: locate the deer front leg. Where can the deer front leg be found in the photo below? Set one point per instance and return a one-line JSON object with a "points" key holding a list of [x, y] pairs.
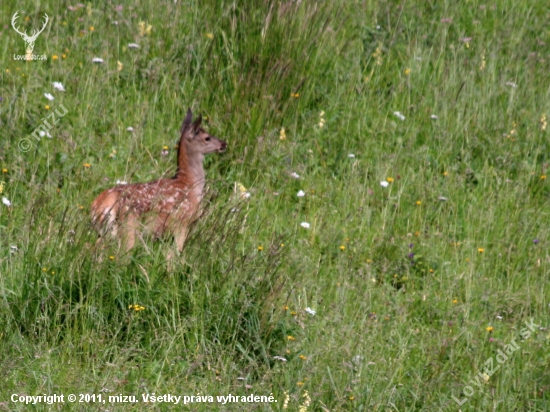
{"points": [[181, 236], [129, 238]]}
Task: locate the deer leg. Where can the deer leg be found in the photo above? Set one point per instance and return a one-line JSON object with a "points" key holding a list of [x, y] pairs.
{"points": [[130, 232], [181, 236]]}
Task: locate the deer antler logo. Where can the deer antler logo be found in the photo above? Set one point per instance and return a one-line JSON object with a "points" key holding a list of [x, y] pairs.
{"points": [[29, 40]]}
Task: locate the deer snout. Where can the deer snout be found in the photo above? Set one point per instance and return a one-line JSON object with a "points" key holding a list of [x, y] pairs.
{"points": [[223, 146]]}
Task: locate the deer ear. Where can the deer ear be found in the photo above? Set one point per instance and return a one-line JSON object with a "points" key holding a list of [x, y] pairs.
{"points": [[197, 123], [187, 121]]}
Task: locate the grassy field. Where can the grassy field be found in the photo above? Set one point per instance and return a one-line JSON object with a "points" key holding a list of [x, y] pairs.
{"points": [[417, 134]]}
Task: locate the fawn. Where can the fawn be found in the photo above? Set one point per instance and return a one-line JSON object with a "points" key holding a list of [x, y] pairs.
{"points": [[164, 206]]}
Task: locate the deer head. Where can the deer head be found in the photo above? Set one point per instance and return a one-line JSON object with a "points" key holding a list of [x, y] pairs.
{"points": [[197, 139], [194, 143], [29, 40]]}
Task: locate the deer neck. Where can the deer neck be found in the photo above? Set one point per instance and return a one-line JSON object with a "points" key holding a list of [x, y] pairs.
{"points": [[190, 170]]}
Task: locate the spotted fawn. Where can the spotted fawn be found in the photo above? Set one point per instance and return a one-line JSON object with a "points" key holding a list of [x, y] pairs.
{"points": [[164, 206]]}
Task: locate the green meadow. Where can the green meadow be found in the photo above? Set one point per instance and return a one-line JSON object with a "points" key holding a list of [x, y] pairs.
{"points": [[375, 238]]}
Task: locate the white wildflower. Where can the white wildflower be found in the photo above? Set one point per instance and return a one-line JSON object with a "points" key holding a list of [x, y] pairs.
{"points": [[279, 358], [399, 115], [305, 225], [130, 129], [295, 175], [383, 183], [133, 46], [433, 116], [301, 193], [358, 359], [511, 84], [6, 201], [42, 133], [58, 86], [121, 182], [310, 311], [49, 96], [442, 198], [97, 60], [351, 155]]}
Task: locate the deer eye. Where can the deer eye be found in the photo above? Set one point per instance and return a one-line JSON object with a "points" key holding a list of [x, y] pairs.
{"points": [[208, 139]]}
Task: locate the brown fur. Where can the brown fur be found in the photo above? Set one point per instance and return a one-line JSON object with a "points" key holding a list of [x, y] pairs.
{"points": [[161, 206]]}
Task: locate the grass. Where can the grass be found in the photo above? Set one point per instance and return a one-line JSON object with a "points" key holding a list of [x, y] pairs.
{"points": [[415, 285]]}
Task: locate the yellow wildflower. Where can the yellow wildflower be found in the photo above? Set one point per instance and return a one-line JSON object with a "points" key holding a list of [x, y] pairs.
{"points": [[307, 402], [407, 71], [480, 250], [144, 28], [282, 134], [260, 248], [285, 403], [342, 247], [290, 337], [47, 107], [55, 57], [389, 179], [455, 301], [489, 329], [209, 35]]}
